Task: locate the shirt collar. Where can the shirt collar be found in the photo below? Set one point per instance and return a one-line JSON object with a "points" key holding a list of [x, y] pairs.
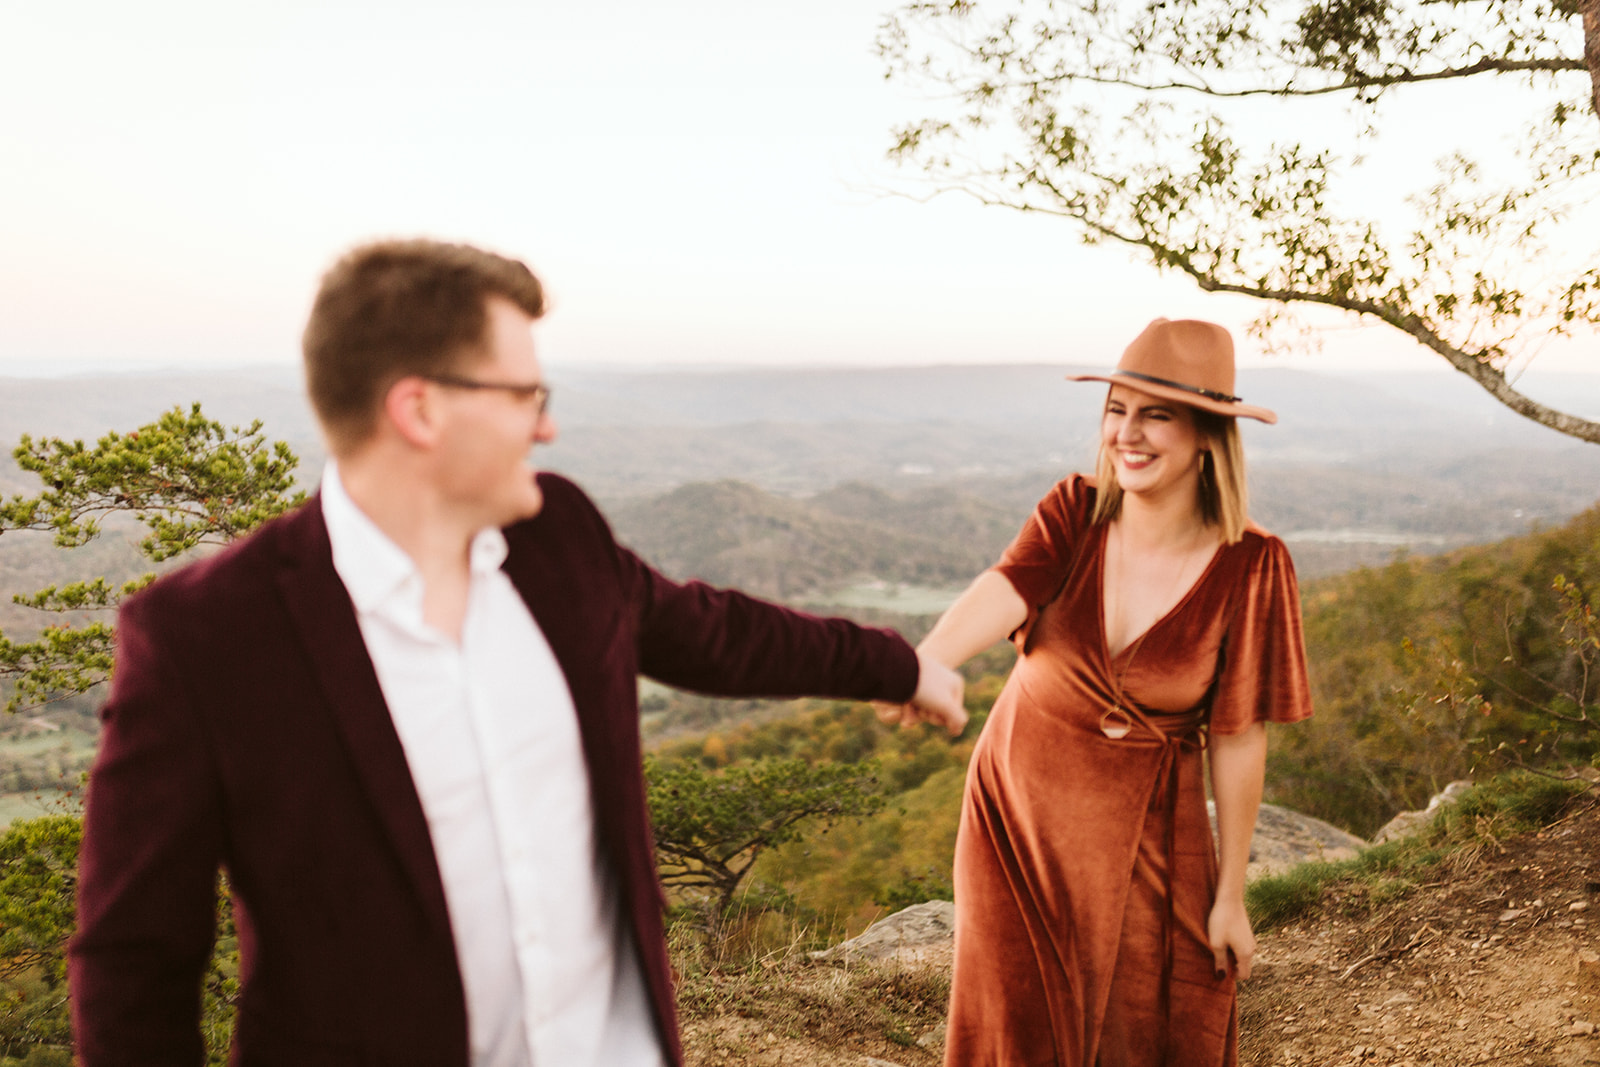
{"points": [[374, 568]]}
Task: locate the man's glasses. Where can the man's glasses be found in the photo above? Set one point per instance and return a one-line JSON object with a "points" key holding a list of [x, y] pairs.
{"points": [[537, 392]]}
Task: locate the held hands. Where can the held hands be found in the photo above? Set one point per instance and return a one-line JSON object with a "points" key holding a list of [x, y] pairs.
{"points": [[937, 699], [1229, 931]]}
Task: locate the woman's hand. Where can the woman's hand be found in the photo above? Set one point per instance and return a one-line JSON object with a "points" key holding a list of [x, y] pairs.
{"points": [[988, 611], [1238, 764], [937, 699], [1229, 932]]}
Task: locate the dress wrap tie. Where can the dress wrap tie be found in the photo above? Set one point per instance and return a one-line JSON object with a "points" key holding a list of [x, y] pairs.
{"points": [[1175, 732]]}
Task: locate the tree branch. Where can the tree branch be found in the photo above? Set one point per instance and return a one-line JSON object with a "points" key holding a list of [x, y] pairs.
{"points": [[1490, 379], [1485, 375], [1376, 81]]}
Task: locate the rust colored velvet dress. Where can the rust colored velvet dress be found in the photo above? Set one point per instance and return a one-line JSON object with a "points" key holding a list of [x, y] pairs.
{"points": [[1084, 869]]}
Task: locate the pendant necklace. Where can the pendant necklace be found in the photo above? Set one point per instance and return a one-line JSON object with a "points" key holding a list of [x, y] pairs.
{"points": [[1116, 722]]}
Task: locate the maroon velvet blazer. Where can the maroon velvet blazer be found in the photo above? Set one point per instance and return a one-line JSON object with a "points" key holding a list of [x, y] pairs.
{"points": [[246, 731]]}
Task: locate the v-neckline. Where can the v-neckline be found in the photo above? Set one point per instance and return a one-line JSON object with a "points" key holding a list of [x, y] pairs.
{"points": [[1137, 639]]}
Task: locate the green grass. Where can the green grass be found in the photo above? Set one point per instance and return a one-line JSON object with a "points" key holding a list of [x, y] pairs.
{"points": [[1511, 803], [1282, 898]]}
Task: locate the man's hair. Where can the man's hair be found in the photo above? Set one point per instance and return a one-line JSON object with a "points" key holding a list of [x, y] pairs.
{"points": [[396, 308], [1224, 496]]}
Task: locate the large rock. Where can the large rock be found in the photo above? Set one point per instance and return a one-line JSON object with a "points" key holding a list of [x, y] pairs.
{"points": [[921, 934], [1285, 838], [1409, 822]]}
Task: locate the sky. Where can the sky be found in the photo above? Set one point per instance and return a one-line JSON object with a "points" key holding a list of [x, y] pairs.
{"points": [[701, 182]]}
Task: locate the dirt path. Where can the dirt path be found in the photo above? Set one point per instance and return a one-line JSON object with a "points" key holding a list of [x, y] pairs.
{"points": [[801, 1014], [1480, 967]]}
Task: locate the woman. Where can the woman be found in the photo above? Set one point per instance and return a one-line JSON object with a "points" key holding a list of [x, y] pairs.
{"points": [[1095, 925]]}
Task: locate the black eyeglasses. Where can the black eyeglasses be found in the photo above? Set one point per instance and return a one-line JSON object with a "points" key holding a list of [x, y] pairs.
{"points": [[538, 392]]}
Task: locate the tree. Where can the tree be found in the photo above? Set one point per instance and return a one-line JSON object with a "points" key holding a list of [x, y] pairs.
{"points": [[1550, 723], [189, 480], [711, 827], [38, 875], [1429, 670], [1120, 117]]}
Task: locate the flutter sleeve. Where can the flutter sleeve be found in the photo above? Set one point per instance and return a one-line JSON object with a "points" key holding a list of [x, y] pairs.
{"points": [[1263, 672], [1039, 558]]}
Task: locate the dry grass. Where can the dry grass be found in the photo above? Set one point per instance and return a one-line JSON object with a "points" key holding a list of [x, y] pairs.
{"points": [[758, 998]]}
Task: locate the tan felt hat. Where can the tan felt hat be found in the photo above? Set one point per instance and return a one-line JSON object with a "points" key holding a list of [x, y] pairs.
{"points": [[1184, 360]]}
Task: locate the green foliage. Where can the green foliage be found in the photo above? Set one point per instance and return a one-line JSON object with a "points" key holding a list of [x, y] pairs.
{"points": [[830, 881], [1279, 899], [1509, 803], [191, 482], [1426, 671], [38, 876], [38, 881], [712, 826], [62, 660], [1514, 802], [860, 870], [219, 989]]}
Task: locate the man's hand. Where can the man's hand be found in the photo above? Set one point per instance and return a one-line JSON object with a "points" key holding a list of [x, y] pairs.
{"points": [[937, 699]]}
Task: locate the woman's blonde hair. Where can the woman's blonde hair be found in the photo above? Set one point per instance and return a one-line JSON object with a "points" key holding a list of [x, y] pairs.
{"points": [[1224, 497]]}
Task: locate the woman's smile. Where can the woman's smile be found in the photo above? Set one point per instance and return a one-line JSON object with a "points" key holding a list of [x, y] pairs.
{"points": [[1155, 441], [1137, 460]]}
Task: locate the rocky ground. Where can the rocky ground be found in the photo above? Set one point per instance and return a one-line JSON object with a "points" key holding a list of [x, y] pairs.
{"points": [[1497, 961]]}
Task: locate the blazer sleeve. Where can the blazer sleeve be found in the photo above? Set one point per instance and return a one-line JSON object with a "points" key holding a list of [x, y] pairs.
{"points": [[152, 846], [693, 636], [727, 643]]}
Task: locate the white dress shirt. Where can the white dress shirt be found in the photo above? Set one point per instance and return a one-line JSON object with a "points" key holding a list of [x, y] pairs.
{"points": [[491, 736]]}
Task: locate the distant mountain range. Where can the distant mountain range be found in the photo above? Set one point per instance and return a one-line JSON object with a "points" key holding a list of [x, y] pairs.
{"points": [[791, 480], [732, 533]]}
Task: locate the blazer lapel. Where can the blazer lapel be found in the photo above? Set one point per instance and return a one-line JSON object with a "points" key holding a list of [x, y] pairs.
{"points": [[326, 621]]}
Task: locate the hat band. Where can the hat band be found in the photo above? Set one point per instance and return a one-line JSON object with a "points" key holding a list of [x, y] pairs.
{"points": [[1210, 394]]}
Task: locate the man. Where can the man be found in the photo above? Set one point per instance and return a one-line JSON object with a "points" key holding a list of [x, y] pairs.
{"points": [[404, 720]]}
